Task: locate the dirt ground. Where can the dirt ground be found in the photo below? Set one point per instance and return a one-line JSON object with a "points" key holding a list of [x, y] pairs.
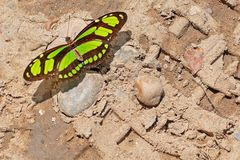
{"points": [[171, 91]]}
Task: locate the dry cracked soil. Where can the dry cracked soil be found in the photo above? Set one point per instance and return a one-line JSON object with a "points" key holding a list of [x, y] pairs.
{"points": [[170, 91]]}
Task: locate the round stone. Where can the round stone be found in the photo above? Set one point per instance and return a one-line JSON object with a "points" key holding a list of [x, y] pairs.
{"points": [[149, 90]]}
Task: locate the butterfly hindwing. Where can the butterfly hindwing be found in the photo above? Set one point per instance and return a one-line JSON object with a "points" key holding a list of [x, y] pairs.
{"points": [[62, 62], [93, 53]]}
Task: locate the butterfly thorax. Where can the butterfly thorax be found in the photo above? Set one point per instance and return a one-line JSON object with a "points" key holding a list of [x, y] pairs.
{"points": [[68, 40]]}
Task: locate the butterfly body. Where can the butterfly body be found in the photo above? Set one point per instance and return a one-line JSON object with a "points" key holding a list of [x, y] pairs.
{"points": [[88, 49]]}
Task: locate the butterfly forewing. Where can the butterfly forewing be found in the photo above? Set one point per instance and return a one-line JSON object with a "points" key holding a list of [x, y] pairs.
{"points": [[45, 65], [105, 27]]}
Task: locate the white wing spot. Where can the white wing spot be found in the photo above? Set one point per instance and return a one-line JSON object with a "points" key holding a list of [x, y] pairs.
{"points": [[105, 17], [120, 15]]}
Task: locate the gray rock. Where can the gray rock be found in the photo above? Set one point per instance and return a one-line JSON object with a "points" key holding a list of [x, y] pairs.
{"points": [[237, 135], [150, 60], [74, 101], [149, 90], [125, 54]]}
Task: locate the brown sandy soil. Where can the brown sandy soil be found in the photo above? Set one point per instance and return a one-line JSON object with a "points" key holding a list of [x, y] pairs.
{"points": [[171, 92]]}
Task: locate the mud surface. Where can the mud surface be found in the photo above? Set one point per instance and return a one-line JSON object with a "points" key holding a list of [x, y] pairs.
{"points": [[171, 90]]}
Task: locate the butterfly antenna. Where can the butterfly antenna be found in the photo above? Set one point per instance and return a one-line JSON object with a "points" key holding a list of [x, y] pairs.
{"points": [[68, 25], [68, 39]]}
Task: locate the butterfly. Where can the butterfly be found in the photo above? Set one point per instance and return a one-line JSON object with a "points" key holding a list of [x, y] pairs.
{"points": [[87, 50]]}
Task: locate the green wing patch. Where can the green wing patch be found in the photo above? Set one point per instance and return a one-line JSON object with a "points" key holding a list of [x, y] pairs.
{"points": [[88, 46], [87, 50]]}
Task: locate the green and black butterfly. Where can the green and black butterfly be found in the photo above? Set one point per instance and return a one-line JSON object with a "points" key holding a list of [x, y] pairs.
{"points": [[87, 50]]}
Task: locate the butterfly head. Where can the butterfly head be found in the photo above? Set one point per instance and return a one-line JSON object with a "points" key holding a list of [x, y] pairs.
{"points": [[68, 40]]}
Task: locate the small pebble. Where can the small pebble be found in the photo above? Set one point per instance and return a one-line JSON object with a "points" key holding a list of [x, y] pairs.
{"points": [[121, 133], [179, 77], [148, 119], [179, 26], [209, 10], [201, 136], [238, 99], [175, 92], [237, 135], [53, 119], [167, 59], [190, 134], [172, 66], [178, 127], [185, 83], [179, 69], [179, 94], [1, 135], [83, 127], [121, 78], [2, 83], [161, 121], [165, 66], [41, 112]]}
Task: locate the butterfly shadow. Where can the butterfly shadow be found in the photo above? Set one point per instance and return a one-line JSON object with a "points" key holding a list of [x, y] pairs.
{"points": [[49, 88], [120, 40]]}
